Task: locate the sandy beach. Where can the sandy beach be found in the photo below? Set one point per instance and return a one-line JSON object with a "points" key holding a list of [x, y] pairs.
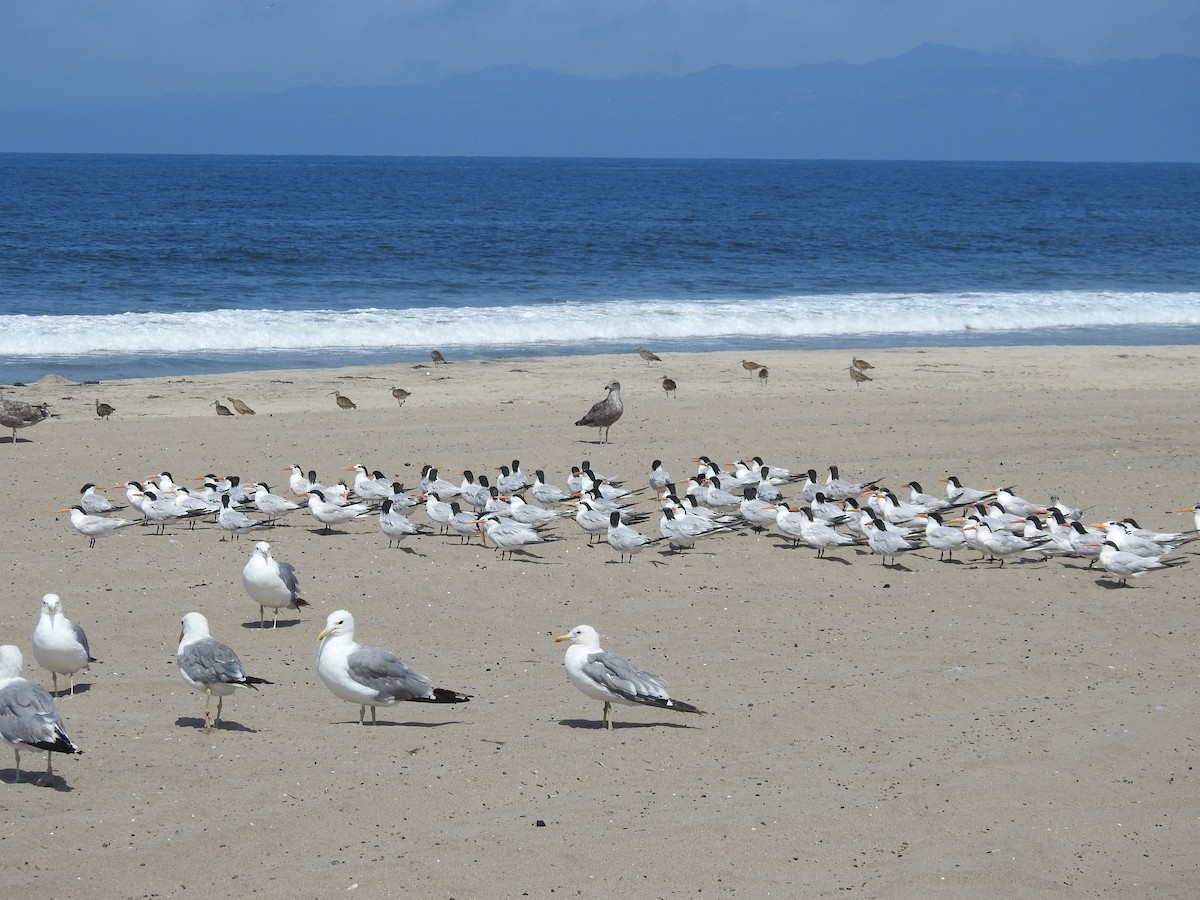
{"points": [[930, 729]]}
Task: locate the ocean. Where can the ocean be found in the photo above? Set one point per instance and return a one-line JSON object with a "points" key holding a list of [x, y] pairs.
{"points": [[130, 266]]}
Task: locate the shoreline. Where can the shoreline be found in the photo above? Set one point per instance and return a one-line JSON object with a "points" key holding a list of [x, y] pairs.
{"points": [[85, 368], [932, 729]]}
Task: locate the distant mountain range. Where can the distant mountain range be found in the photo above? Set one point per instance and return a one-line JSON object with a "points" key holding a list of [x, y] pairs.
{"points": [[935, 102]]}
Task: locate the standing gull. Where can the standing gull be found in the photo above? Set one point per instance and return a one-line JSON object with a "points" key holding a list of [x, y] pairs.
{"points": [[16, 414], [370, 676], [210, 666], [272, 583], [59, 644], [27, 715], [605, 413], [613, 679]]}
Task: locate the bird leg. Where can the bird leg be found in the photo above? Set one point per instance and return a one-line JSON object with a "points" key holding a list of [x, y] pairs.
{"points": [[54, 675], [608, 723], [45, 780], [208, 719], [17, 754], [362, 714], [220, 700]]}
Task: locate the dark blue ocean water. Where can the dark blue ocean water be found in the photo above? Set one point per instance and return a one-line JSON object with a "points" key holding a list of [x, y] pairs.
{"points": [[119, 266]]}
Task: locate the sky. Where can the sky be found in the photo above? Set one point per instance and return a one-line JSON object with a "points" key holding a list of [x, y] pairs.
{"points": [[129, 51]]}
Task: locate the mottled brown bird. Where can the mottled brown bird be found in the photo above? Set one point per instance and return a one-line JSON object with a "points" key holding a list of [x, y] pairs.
{"points": [[669, 385], [861, 364], [763, 375], [343, 401], [401, 395], [605, 413], [648, 356], [858, 376], [751, 366], [104, 410], [16, 414], [241, 407], [437, 357], [222, 410]]}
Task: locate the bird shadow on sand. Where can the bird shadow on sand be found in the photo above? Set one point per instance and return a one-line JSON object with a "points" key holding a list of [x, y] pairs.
{"points": [[387, 723], [56, 782], [1111, 584], [527, 558], [223, 725], [598, 724], [409, 550], [65, 693], [289, 623], [332, 532], [618, 562]]}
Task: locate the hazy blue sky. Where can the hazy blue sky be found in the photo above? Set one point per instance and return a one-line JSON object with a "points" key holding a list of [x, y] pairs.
{"points": [[131, 50]]}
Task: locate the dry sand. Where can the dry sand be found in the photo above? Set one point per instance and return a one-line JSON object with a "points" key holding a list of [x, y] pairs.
{"points": [[933, 729]]}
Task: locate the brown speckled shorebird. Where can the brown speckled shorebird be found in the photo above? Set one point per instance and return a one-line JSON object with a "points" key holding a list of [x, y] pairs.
{"points": [[858, 376], [751, 366], [648, 356], [104, 410], [222, 410], [241, 407], [401, 395], [669, 385], [342, 400]]}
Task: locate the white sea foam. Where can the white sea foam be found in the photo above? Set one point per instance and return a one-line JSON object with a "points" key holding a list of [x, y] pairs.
{"points": [[571, 324]]}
